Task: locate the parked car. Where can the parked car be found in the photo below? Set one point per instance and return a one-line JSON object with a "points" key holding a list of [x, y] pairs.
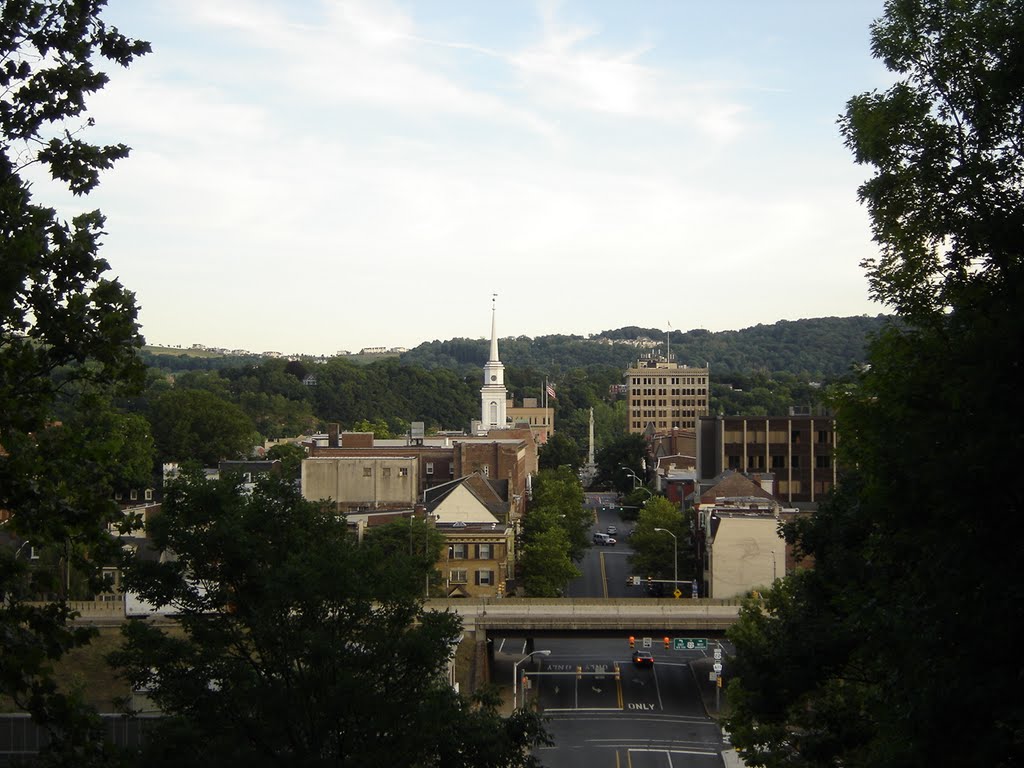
{"points": [[643, 658], [611, 530], [604, 540]]}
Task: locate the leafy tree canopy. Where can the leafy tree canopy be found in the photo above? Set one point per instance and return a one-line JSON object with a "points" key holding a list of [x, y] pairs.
{"points": [[296, 645], [68, 337], [859, 662]]}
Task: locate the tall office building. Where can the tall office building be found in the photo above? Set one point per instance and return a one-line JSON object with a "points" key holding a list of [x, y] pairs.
{"points": [[664, 394]]}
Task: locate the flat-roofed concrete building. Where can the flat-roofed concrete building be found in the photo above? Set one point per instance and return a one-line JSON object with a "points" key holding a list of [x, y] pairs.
{"points": [[798, 449]]}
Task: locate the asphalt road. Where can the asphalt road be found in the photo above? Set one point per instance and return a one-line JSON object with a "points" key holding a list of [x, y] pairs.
{"points": [[604, 711]]}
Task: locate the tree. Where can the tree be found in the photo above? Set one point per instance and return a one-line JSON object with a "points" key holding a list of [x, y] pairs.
{"points": [[654, 552], [558, 501], [559, 450], [296, 646], [628, 450], [195, 424], [547, 567], [412, 549], [858, 662], [67, 332], [290, 455]]}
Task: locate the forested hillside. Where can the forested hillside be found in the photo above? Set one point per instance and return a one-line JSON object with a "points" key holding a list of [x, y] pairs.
{"points": [[813, 348]]}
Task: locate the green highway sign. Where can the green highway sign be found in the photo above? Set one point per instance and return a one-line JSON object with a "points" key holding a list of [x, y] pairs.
{"points": [[689, 643]]}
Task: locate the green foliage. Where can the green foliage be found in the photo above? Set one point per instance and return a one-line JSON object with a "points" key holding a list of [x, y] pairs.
{"points": [[818, 347], [290, 455], [195, 424], [555, 532], [412, 549], [547, 567], [654, 553], [68, 339], [872, 657], [297, 646], [627, 450], [560, 450]]}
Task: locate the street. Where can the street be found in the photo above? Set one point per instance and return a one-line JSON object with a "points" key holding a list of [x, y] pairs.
{"points": [[604, 711]]}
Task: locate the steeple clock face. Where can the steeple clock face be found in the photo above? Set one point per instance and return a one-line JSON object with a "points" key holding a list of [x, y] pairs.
{"points": [[493, 377]]}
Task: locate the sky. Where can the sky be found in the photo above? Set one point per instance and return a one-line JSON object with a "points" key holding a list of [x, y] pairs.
{"points": [[311, 176]]}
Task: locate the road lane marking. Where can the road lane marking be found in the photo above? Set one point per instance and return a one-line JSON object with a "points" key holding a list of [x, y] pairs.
{"points": [[604, 577]]}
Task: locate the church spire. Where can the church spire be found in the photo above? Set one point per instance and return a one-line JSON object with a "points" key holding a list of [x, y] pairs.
{"points": [[494, 330], [493, 393]]}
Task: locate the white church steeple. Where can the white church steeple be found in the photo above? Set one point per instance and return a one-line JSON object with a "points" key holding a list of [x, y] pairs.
{"points": [[493, 393]]}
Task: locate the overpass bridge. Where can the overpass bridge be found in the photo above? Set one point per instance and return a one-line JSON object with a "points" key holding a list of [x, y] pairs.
{"points": [[541, 616]]}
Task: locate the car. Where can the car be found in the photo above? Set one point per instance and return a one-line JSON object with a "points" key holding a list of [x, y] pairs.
{"points": [[611, 530], [643, 659], [604, 540]]}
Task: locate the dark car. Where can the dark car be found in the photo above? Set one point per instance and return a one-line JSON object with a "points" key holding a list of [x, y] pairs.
{"points": [[643, 658]]}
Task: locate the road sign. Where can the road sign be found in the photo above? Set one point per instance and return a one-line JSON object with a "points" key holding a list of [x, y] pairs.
{"points": [[647, 642], [677, 594], [717, 666], [718, 653], [689, 643]]}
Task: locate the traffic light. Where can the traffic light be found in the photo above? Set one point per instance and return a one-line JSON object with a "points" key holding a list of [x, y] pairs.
{"points": [[667, 643], [501, 588], [632, 642], [650, 582]]}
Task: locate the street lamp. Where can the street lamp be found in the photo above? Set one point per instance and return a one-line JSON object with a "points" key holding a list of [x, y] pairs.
{"points": [[636, 480], [515, 673], [675, 556]]}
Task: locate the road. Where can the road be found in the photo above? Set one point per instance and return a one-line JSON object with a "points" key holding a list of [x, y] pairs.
{"points": [[605, 568], [604, 711]]}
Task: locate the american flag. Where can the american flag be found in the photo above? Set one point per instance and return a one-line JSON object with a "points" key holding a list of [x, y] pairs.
{"points": [[551, 391]]}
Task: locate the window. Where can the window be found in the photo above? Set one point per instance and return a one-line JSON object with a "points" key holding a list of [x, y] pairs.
{"points": [[794, 436], [823, 437], [457, 576], [386, 472], [458, 552], [485, 577], [484, 551], [149, 494], [822, 462], [795, 462], [734, 462], [134, 494], [430, 467], [367, 471], [778, 462], [403, 471]]}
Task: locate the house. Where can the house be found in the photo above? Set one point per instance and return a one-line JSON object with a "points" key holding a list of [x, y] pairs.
{"points": [[479, 554]]}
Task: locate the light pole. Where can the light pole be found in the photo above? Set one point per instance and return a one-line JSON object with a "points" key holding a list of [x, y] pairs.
{"points": [[636, 480], [675, 557], [515, 673]]}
